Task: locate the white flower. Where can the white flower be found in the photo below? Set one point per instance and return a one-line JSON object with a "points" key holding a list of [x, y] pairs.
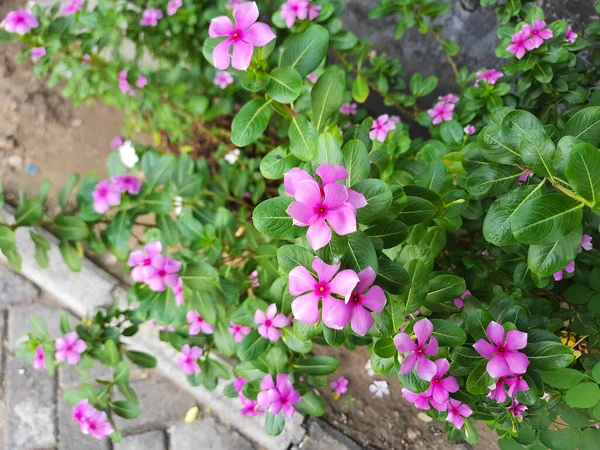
{"points": [[232, 156], [178, 203], [379, 388], [128, 155], [369, 369]]}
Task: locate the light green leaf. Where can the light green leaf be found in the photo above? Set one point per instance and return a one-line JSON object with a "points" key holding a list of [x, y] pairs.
{"points": [[305, 51], [285, 85], [327, 96], [303, 138], [583, 172], [537, 151], [250, 122]]}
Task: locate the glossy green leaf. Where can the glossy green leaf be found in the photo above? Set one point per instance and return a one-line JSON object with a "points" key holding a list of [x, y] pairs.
{"points": [[285, 85], [250, 122]]}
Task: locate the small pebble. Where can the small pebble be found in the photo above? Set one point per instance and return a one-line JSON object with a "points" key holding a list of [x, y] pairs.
{"points": [[15, 161], [21, 371], [424, 417]]}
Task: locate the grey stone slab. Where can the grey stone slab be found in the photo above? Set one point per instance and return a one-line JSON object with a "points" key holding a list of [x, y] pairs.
{"points": [[14, 288], [70, 435], [161, 402], [69, 377], [19, 325], [206, 434], [152, 440], [321, 436]]}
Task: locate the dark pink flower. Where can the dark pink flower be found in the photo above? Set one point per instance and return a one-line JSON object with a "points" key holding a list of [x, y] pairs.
{"points": [[250, 407], [517, 409], [381, 127], [39, 358], [143, 258], [458, 302], [37, 53], [173, 6], [441, 112], [105, 195], [340, 386], [161, 273], [469, 129], [150, 17], [254, 277], [82, 411], [314, 11], [440, 387], [246, 34], [457, 411], [570, 268], [128, 183], [141, 81], [238, 331], [294, 9], [497, 391], [520, 44], [490, 76], [537, 32], [197, 323], [69, 348], [570, 35], [305, 308], [516, 384], [348, 109], [270, 322], [20, 22], [417, 352], [312, 77], [364, 296], [504, 359], [280, 397], [527, 173], [97, 425], [188, 360]]}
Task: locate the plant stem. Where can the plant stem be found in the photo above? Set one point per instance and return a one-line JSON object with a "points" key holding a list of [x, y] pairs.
{"points": [[448, 57], [568, 193]]}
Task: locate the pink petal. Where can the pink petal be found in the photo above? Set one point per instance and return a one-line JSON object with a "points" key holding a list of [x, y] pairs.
{"points": [[431, 348], [484, 348], [367, 277], [80, 346], [242, 55], [426, 369], [450, 384], [335, 195], [318, 234], [495, 333], [263, 330], [280, 320], [515, 340], [309, 192], [497, 367], [442, 367], [518, 362], [423, 329], [344, 283], [336, 313], [404, 343], [356, 199], [172, 265], [73, 357], [464, 410], [374, 299], [271, 311], [220, 26], [342, 220], [306, 308], [221, 54], [292, 179], [362, 321], [325, 272], [274, 334], [408, 364], [331, 174], [267, 383], [300, 280], [303, 214], [259, 34], [135, 258], [245, 14], [259, 317]]}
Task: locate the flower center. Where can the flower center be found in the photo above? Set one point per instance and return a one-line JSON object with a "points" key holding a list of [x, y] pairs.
{"points": [[147, 262], [501, 350], [237, 35], [321, 288], [355, 298], [162, 273], [268, 323], [436, 380], [321, 210], [69, 348]]}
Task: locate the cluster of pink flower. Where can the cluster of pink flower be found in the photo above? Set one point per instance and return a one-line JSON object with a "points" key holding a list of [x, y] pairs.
{"points": [[249, 407], [188, 359], [245, 34], [150, 17], [299, 9], [490, 76], [360, 297], [108, 193], [339, 386], [586, 244], [317, 205], [280, 397], [529, 37], [71, 7], [443, 110], [91, 421], [348, 109], [156, 270], [21, 21], [382, 126], [124, 84]]}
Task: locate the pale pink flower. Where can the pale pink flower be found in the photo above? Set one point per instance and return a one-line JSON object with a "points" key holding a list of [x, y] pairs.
{"points": [[364, 299], [497, 391], [348, 109], [116, 142], [537, 32], [312, 77], [71, 8], [97, 425], [449, 98], [469, 129], [417, 352], [280, 397], [294, 9], [527, 173], [178, 292], [369, 368], [490, 76], [128, 183], [314, 11], [69, 348], [254, 277], [569, 269], [372, 53], [269, 323], [150, 17], [570, 35], [586, 243], [85, 58], [381, 127], [39, 358], [141, 81], [188, 359], [305, 308], [68, 74], [161, 273], [223, 79], [233, 3], [105, 195], [197, 323], [502, 352], [238, 331], [173, 6], [246, 34], [457, 411], [515, 384], [441, 112], [517, 409], [458, 302], [139, 259], [520, 44], [340, 386], [37, 53], [20, 22]]}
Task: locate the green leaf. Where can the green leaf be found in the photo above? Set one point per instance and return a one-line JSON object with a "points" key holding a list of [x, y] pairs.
{"points": [[447, 333], [545, 260], [328, 151], [71, 255], [378, 196], [312, 404], [202, 302], [29, 212], [537, 151], [250, 122], [316, 365], [157, 202], [118, 232], [451, 132], [200, 276], [546, 219], [391, 233], [360, 89], [385, 348], [252, 346], [109, 355], [413, 382], [277, 162], [42, 247], [411, 300], [478, 379], [585, 125], [477, 322], [491, 180], [197, 105], [492, 147], [8, 241], [294, 343], [327, 96], [277, 360], [549, 355], [274, 424], [583, 171], [543, 72], [126, 409], [157, 169], [39, 328], [270, 218], [444, 288], [565, 439], [187, 183], [361, 253], [562, 378], [335, 338], [305, 51], [584, 395], [65, 191], [291, 256], [514, 126], [169, 231], [356, 161], [285, 85], [303, 138], [255, 81], [392, 277]]}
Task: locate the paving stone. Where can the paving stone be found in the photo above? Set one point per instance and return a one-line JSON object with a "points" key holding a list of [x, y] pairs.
{"points": [[19, 324], [70, 435], [206, 434], [3, 342], [321, 436], [152, 440], [161, 402], [68, 377], [14, 288]]}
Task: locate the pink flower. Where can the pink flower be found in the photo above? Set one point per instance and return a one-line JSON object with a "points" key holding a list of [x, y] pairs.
{"points": [[294, 9], [68, 74], [162, 327], [314, 11], [250, 407], [348, 109], [381, 127], [469, 129], [238, 331], [173, 6], [441, 112], [361, 298], [312, 77], [150, 17], [270, 322], [516, 409], [305, 308], [85, 58], [116, 142], [440, 387], [516, 384], [223, 79], [37, 53], [537, 32], [141, 81], [128, 183], [527, 173], [254, 277], [280, 397], [69, 348], [197, 323], [244, 36], [178, 292], [504, 359], [458, 302], [490, 76], [340, 386], [457, 411], [39, 358], [140, 259], [497, 391], [449, 98], [20, 22], [71, 8], [97, 425], [238, 384], [161, 273], [586, 243], [188, 359], [82, 411], [570, 35], [520, 44], [426, 345], [569, 269], [420, 400]]}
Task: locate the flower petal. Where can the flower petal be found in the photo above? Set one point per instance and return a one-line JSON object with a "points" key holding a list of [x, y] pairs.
{"points": [[220, 26], [280, 320], [344, 283], [362, 321], [367, 277], [408, 364], [404, 343], [301, 280], [259, 34], [484, 348], [271, 311], [374, 299], [356, 199], [342, 220], [306, 308], [221, 54], [309, 192], [497, 367], [495, 333], [292, 179], [303, 214], [515, 340], [335, 195], [518, 362], [336, 313], [331, 174], [426, 368], [423, 329], [245, 14], [318, 234], [242, 55], [325, 272]]}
